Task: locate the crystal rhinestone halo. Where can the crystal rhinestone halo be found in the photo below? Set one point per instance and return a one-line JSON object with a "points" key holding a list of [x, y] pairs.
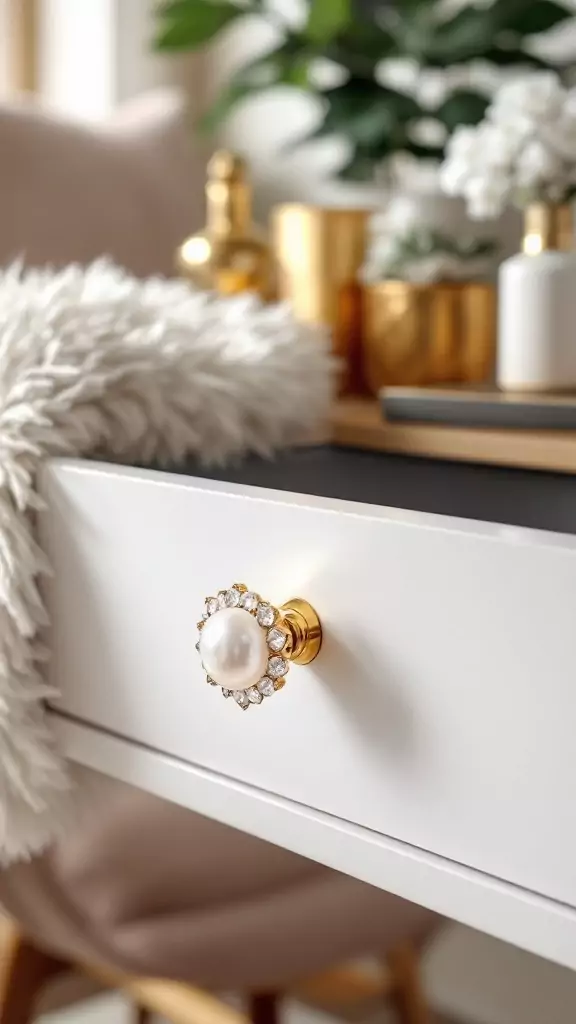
{"points": [[251, 655]]}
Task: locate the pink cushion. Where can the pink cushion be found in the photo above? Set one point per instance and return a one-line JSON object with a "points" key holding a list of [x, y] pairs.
{"points": [[131, 190], [156, 889]]}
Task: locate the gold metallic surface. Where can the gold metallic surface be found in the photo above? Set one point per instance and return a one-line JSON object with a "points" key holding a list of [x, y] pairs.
{"points": [[548, 226], [231, 254], [319, 252], [306, 630], [423, 334]]}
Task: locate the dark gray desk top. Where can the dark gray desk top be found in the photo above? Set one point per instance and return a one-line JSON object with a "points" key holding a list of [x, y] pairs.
{"points": [[517, 497]]}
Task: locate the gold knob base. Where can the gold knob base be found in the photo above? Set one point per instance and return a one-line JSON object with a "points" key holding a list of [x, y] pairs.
{"points": [[305, 628]]}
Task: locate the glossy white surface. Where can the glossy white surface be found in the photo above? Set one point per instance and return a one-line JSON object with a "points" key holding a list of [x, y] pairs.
{"points": [[536, 317], [441, 711], [233, 649], [488, 904]]}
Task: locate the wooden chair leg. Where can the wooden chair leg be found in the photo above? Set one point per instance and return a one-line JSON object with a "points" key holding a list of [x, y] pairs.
{"points": [[24, 971], [407, 994], [263, 1008], [142, 1015]]}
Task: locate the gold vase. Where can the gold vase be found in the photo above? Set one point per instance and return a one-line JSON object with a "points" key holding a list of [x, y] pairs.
{"points": [[231, 254], [417, 334], [319, 252]]}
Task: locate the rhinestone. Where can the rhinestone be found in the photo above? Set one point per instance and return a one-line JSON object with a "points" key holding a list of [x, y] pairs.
{"points": [[222, 598], [231, 598], [277, 667], [197, 646], [266, 687], [241, 698], [212, 605], [276, 639], [225, 692], [254, 695], [211, 681], [266, 614], [249, 601]]}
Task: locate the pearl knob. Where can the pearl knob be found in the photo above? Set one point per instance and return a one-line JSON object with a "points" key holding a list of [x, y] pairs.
{"points": [[233, 649], [246, 644]]}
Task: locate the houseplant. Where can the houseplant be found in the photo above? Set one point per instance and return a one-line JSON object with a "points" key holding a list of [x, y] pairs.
{"points": [[524, 152], [428, 303], [366, 39]]}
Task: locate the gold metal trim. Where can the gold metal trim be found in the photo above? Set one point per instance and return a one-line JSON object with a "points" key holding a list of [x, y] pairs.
{"points": [[306, 629], [548, 227]]}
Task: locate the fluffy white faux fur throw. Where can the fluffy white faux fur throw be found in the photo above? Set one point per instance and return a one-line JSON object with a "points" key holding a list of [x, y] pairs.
{"points": [[95, 361]]}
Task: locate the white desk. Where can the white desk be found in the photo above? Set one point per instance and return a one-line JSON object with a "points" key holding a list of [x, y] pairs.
{"points": [[430, 748]]}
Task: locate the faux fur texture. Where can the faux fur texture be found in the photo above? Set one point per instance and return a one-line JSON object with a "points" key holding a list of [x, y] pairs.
{"points": [[95, 361]]}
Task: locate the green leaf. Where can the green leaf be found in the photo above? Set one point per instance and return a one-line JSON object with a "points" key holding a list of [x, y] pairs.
{"points": [[278, 67], [476, 31], [363, 109], [514, 57], [421, 152], [374, 120], [462, 107], [189, 24], [538, 16], [359, 167], [464, 37], [360, 48], [326, 19]]}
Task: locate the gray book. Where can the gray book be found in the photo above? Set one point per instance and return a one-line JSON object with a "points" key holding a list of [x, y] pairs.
{"points": [[461, 405]]}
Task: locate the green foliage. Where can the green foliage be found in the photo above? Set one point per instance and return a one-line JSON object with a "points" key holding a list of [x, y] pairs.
{"points": [[189, 24], [326, 19], [419, 245], [377, 122], [282, 66]]}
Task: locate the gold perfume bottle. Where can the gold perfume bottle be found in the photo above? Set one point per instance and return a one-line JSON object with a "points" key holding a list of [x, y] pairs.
{"points": [[232, 254]]}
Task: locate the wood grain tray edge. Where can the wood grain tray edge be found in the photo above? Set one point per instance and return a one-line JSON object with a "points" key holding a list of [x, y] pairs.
{"points": [[358, 423]]}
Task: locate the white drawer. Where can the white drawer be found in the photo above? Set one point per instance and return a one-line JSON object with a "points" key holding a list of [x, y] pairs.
{"points": [[441, 710]]}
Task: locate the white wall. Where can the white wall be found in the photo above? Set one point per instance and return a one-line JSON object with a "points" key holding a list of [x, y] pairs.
{"points": [[95, 54]]}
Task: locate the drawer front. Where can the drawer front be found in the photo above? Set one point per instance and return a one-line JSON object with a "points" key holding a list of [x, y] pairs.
{"points": [[441, 710]]}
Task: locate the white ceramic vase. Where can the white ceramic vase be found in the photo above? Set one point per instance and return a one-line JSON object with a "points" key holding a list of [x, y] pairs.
{"points": [[537, 306]]}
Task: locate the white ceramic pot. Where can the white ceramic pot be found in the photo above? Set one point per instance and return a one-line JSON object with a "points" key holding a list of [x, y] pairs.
{"points": [[537, 308]]}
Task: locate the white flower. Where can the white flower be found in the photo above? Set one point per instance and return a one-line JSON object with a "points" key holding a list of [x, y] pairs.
{"points": [[429, 269], [486, 196], [560, 134], [402, 216], [525, 148], [453, 176], [538, 97], [432, 87], [463, 143], [497, 147], [401, 73], [428, 131], [537, 165]]}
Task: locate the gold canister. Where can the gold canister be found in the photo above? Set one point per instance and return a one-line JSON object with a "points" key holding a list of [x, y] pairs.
{"points": [[428, 333], [319, 252]]}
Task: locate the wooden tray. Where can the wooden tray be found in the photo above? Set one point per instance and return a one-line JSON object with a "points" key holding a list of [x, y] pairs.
{"points": [[358, 423]]}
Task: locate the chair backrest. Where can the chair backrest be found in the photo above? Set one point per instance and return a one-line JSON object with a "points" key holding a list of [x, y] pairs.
{"points": [[71, 192]]}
